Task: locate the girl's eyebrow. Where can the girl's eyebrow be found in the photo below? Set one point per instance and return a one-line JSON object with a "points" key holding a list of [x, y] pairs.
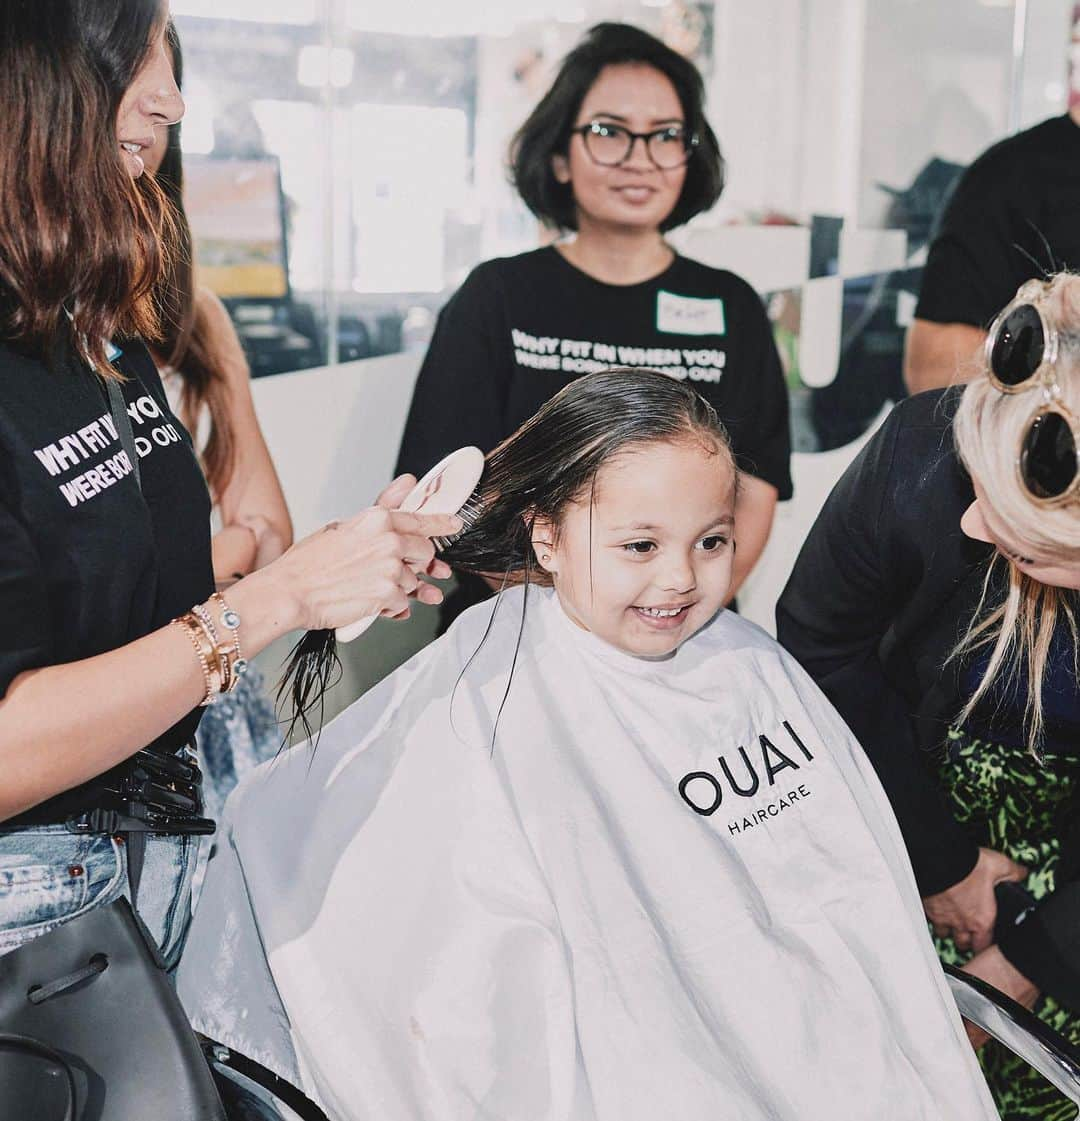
{"points": [[645, 527]]}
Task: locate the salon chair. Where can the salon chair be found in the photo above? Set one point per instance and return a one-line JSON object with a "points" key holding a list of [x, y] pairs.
{"points": [[250, 1092], [1018, 1030]]}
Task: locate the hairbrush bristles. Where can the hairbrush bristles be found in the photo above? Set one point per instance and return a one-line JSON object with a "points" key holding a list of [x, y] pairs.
{"points": [[469, 515]]}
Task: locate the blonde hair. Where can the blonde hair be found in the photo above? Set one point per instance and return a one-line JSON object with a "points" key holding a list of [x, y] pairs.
{"points": [[988, 429]]}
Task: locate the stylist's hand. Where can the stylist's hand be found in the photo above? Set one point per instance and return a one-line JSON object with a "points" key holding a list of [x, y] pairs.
{"points": [[967, 910], [391, 499], [369, 564], [993, 967]]}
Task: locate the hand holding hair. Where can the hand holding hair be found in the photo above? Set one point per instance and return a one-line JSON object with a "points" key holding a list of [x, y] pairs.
{"points": [[390, 499], [369, 564]]}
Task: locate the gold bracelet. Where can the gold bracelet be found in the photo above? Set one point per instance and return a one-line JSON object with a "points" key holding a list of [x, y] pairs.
{"points": [[221, 651], [208, 660], [238, 665], [208, 654]]}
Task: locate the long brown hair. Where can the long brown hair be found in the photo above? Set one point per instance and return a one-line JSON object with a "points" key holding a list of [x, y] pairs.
{"points": [[76, 234], [185, 336]]}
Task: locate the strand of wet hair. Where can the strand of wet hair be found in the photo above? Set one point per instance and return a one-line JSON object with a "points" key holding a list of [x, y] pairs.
{"points": [[312, 669]]}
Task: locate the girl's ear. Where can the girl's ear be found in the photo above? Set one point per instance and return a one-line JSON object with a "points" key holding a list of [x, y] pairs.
{"points": [[543, 544], [560, 168]]}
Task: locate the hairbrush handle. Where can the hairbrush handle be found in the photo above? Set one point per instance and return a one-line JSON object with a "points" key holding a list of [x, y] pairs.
{"points": [[354, 630]]}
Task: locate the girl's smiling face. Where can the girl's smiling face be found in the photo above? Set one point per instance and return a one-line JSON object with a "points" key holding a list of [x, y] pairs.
{"points": [[644, 560]]}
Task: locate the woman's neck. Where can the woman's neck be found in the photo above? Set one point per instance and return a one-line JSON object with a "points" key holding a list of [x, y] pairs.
{"points": [[618, 256]]}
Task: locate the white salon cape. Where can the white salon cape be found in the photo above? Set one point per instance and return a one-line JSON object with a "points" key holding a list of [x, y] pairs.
{"points": [[647, 890]]}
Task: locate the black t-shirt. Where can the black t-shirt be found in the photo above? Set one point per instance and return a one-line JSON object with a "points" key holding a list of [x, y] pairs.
{"points": [[1015, 214], [520, 328], [88, 564]]}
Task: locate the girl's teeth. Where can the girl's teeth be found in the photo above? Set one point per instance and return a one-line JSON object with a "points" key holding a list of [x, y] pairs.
{"points": [[134, 148], [661, 613]]}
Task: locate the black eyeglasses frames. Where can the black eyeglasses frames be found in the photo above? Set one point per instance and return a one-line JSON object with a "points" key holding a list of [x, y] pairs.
{"points": [[610, 145]]}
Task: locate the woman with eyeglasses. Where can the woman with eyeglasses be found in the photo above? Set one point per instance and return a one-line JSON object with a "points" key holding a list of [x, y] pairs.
{"points": [[617, 152], [935, 603]]}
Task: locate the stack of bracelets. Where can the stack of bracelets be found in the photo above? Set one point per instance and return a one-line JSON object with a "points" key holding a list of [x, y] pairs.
{"points": [[222, 663]]}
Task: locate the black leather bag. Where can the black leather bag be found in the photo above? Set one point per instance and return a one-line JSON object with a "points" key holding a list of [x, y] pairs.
{"points": [[92, 1030]]}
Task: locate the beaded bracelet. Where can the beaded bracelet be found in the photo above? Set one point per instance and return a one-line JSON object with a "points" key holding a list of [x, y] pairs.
{"points": [[238, 664]]}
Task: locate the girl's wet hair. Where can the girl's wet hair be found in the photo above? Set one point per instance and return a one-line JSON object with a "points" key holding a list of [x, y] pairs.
{"points": [[550, 462]]}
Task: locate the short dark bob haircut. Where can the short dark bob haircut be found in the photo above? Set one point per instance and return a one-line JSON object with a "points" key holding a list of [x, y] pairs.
{"points": [[546, 133], [76, 234]]}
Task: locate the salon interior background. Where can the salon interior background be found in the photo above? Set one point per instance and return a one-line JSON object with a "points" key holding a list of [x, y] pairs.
{"points": [[345, 165]]}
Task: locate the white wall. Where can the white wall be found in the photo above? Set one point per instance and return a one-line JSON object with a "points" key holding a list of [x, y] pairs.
{"points": [[334, 433]]}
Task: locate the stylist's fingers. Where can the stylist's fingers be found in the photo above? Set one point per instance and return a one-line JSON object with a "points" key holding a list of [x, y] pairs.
{"points": [[396, 492], [426, 525], [428, 593], [417, 552], [439, 570], [407, 579]]}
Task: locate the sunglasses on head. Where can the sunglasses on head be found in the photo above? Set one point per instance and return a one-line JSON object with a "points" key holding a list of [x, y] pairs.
{"points": [[1021, 354]]}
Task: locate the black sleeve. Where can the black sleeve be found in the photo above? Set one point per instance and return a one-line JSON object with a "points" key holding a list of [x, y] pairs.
{"points": [[832, 616], [1045, 947], [765, 444], [971, 270], [24, 605], [460, 393]]}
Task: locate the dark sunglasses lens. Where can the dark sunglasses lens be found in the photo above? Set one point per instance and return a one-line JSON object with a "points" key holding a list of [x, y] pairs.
{"points": [[1048, 456], [1019, 346]]}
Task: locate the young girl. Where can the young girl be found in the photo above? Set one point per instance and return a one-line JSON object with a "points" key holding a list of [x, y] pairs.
{"points": [[616, 153], [601, 851]]}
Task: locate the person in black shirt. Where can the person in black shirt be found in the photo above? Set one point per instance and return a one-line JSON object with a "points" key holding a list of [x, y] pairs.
{"points": [[935, 602], [1014, 215], [104, 515], [619, 151]]}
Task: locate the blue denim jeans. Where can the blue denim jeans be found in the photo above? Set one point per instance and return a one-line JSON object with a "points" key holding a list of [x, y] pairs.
{"points": [[49, 876]]}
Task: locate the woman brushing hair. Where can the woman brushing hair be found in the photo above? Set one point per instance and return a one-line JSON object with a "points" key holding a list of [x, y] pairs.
{"points": [[113, 636]]}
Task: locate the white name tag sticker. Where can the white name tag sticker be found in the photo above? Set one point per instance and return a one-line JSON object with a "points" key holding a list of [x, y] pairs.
{"points": [[689, 315]]}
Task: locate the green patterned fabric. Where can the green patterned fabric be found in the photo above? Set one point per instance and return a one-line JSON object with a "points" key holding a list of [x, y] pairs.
{"points": [[1016, 805]]}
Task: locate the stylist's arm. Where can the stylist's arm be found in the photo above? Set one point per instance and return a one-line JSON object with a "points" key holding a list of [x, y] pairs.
{"points": [[62, 725]]}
